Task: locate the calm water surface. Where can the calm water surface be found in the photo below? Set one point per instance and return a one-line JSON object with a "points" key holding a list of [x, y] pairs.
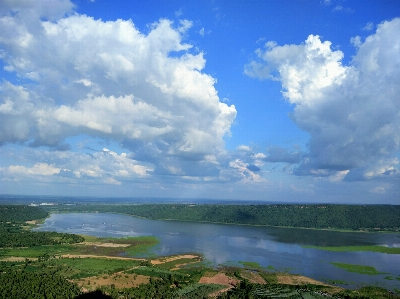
{"points": [[230, 244]]}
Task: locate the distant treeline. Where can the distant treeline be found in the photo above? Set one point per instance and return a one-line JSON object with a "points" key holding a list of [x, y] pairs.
{"points": [[12, 233], [330, 216]]}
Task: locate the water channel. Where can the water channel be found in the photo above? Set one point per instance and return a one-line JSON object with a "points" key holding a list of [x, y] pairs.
{"points": [[281, 248]]}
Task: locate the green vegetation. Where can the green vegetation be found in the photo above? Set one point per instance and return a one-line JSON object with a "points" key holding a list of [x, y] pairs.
{"points": [[357, 268], [251, 265], [336, 281], [139, 245], [17, 237], [20, 214], [183, 261], [40, 268], [74, 268], [351, 217], [371, 248], [367, 292], [155, 272], [36, 251], [252, 290], [12, 233], [37, 285], [198, 290]]}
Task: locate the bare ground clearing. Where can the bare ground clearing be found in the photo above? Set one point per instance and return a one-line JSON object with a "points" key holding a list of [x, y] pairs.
{"points": [[220, 278], [31, 222], [297, 280]]}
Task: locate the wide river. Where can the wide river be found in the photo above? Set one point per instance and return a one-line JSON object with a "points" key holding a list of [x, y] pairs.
{"points": [[281, 248]]}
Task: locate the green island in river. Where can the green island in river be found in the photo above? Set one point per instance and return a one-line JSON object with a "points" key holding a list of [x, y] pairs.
{"points": [[58, 265]]}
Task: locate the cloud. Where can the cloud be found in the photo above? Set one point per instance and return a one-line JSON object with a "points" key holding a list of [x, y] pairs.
{"points": [[326, 2], [106, 166], [351, 112], [245, 170], [37, 169], [369, 26], [278, 154], [107, 79], [179, 12], [245, 148]]}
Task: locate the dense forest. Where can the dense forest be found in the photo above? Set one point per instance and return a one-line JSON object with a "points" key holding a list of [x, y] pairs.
{"points": [[353, 217], [20, 213], [13, 233], [36, 285]]}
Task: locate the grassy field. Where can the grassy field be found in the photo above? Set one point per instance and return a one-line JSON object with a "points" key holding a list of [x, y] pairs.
{"points": [[371, 248], [357, 268], [34, 252], [86, 267], [92, 246]]}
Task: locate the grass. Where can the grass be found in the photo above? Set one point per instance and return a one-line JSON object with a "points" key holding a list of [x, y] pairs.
{"points": [[195, 273], [174, 263], [370, 292], [154, 272], [34, 252], [370, 248], [271, 268], [86, 267], [198, 290], [336, 281], [137, 246], [271, 278], [251, 265], [368, 270]]}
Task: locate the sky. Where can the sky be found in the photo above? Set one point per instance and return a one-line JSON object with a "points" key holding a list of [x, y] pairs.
{"points": [[275, 100]]}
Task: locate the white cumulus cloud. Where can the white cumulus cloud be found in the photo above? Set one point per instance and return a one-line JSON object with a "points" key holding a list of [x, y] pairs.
{"points": [[107, 79], [351, 112]]}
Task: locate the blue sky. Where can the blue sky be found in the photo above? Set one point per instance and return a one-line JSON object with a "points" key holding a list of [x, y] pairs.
{"points": [[287, 101]]}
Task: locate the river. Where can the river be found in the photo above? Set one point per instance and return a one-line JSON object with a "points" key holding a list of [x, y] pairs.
{"points": [[280, 248]]}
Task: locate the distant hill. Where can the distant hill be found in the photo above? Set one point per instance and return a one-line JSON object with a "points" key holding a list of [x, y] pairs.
{"points": [[320, 216]]}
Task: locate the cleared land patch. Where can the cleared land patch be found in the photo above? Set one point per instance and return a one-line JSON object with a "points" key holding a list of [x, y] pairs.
{"points": [[297, 280]]}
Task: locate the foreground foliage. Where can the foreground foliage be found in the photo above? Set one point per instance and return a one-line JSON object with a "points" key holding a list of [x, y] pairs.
{"points": [[37, 285], [247, 290]]}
